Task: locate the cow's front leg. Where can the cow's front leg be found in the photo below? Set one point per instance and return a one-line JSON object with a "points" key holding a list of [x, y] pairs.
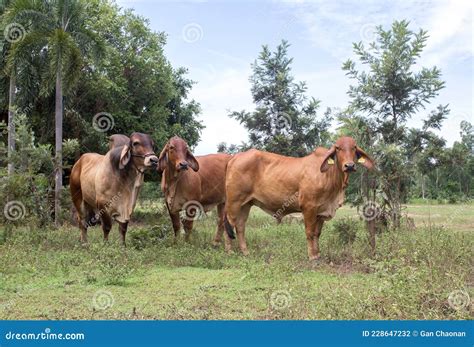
{"points": [[317, 234], [175, 220], [188, 228], [106, 225], [310, 230], [123, 231]]}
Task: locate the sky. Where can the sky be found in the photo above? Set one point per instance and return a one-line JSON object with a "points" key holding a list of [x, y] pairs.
{"points": [[218, 40]]}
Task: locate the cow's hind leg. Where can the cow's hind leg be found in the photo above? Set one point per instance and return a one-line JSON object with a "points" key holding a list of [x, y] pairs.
{"points": [[240, 227], [220, 225], [84, 219], [81, 213]]}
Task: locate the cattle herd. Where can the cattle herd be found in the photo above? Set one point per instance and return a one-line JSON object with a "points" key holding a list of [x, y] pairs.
{"points": [[106, 187]]}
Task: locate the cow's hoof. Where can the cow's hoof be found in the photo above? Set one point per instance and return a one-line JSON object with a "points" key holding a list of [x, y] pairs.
{"points": [[245, 253], [215, 243]]}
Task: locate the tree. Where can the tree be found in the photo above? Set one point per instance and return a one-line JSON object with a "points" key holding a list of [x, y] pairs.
{"points": [[11, 74], [64, 39], [284, 121], [389, 90]]}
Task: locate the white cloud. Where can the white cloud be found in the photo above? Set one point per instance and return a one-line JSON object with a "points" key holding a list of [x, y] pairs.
{"points": [[221, 91], [334, 25]]}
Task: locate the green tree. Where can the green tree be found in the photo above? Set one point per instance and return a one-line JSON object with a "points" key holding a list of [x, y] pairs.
{"points": [[61, 35], [284, 120], [389, 90]]}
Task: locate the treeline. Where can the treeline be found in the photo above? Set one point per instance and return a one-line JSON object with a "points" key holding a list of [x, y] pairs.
{"points": [[112, 64], [388, 88], [74, 72], [80, 71]]}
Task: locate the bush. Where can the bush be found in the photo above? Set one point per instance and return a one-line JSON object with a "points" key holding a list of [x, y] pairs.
{"points": [[29, 192], [346, 229]]}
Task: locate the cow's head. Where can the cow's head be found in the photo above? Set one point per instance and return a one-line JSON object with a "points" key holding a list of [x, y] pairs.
{"points": [[117, 140], [139, 151], [345, 154], [177, 154]]}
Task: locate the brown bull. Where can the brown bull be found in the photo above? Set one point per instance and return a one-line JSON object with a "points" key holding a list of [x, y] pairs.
{"points": [[106, 187], [193, 191], [313, 185]]}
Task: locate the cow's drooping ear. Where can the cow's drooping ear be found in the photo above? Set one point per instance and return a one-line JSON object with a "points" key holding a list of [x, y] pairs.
{"points": [[193, 163], [162, 160], [125, 156], [364, 159], [328, 159]]}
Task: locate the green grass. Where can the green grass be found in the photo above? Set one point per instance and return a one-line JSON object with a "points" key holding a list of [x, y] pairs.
{"points": [[47, 274]]}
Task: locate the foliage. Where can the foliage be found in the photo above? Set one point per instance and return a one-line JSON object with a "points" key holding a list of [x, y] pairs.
{"points": [[29, 189], [132, 81], [284, 120], [389, 89], [346, 228]]}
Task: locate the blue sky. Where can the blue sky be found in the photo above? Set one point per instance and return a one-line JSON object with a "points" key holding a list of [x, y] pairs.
{"points": [[217, 41]]}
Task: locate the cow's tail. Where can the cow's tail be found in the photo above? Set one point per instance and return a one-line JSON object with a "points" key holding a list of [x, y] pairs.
{"points": [[229, 229]]}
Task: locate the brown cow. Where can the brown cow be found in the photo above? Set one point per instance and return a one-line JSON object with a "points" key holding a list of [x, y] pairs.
{"points": [[195, 191], [107, 186], [282, 185], [118, 140]]}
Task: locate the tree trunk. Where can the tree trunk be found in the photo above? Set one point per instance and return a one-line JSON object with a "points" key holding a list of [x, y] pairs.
{"points": [[11, 122], [423, 186], [58, 170]]}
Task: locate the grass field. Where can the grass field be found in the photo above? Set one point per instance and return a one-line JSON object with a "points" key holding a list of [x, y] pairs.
{"points": [[47, 274]]}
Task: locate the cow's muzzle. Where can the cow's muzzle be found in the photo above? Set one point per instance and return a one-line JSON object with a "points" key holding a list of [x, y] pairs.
{"points": [[349, 167], [149, 159], [183, 165]]}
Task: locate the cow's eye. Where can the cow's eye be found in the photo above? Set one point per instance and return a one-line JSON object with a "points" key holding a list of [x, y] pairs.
{"points": [[136, 143], [338, 148], [171, 147]]}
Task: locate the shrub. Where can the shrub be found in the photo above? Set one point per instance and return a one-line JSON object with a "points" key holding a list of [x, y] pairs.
{"points": [[346, 229]]}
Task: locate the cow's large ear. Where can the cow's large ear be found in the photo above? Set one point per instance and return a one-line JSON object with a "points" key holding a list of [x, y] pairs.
{"points": [[163, 159], [125, 156], [364, 159], [193, 163], [328, 158]]}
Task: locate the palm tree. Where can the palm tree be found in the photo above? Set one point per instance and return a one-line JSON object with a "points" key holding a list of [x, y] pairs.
{"points": [[60, 33], [11, 75]]}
